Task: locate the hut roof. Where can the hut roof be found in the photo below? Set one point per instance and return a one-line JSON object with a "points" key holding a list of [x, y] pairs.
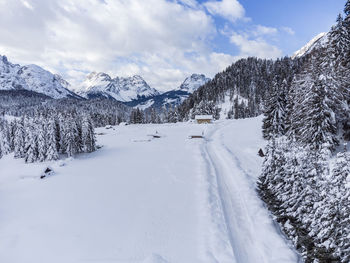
{"points": [[204, 117]]}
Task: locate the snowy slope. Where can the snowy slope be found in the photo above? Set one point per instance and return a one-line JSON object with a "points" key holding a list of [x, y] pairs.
{"points": [[121, 89], [140, 200], [33, 78], [227, 105], [320, 40]]}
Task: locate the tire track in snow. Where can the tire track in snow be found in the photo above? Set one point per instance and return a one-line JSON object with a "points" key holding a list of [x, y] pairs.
{"points": [[218, 247], [241, 209]]}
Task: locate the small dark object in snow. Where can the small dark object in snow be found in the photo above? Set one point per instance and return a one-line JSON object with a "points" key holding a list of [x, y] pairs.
{"points": [[261, 153], [156, 135], [196, 137], [48, 171]]}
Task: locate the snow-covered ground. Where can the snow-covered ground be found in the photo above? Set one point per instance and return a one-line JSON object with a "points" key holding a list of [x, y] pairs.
{"points": [[139, 199]]}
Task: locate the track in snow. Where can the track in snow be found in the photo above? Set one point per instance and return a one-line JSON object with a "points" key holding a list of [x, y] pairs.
{"points": [[244, 230], [170, 200]]}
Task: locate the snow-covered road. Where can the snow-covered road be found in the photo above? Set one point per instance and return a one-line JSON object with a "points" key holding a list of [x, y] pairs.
{"points": [[138, 200], [246, 228]]}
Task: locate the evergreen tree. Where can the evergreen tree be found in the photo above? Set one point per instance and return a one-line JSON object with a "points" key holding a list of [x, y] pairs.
{"points": [[275, 112], [69, 138], [89, 140], [52, 152], [19, 139], [31, 143], [42, 143], [4, 140], [319, 127]]}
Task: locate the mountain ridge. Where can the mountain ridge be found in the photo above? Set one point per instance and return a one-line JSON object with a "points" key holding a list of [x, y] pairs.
{"points": [[119, 88], [318, 41], [33, 78]]}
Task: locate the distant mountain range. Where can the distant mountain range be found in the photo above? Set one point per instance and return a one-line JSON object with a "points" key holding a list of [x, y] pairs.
{"points": [[120, 89], [173, 97], [132, 91]]}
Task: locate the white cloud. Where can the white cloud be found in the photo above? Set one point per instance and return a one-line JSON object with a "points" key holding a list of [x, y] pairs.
{"points": [[229, 9], [264, 30], [27, 4], [114, 36], [288, 30], [190, 3], [257, 47], [163, 41]]}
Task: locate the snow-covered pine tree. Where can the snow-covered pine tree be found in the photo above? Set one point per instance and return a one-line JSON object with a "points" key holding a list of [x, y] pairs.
{"points": [[275, 112], [339, 43], [69, 137], [89, 140], [319, 119], [11, 134], [340, 201], [31, 142], [57, 129], [5, 147], [154, 116], [78, 135], [42, 139], [19, 139], [51, 153]]}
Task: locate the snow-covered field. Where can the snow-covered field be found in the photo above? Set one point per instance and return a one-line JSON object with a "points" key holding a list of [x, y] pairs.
{"points": [[139, 199]]}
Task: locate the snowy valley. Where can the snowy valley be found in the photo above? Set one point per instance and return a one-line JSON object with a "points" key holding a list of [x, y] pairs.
{"points": [[251, 165], [138, 200]]}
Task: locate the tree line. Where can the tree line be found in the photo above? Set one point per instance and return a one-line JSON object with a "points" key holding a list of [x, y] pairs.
{"points": [[305, 180], [45, 137]]}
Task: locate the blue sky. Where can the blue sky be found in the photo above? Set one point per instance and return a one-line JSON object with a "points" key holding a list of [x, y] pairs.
{"points": [[164, 41], [306, 18]]}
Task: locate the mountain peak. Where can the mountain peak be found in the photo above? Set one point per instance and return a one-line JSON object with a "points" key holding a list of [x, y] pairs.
{"points": [[318, 41], [193, 82], [101, 75], [120, 88], [34, 78]]}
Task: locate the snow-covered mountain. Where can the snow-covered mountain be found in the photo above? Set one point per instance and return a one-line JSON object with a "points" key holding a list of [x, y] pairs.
{"points": [[32, 78], [173, 97], [192, 83], [121, 89], [320, 40]]}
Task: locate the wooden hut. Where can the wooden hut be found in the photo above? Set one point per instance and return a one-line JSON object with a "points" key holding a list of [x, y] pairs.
{"points": [[204, 119]]}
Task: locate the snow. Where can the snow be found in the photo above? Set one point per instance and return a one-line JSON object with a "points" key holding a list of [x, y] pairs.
{"points": [[43, 81], [227, 105], [11, 118], [192, 83], [170, 199], [321, 39], [146, 105], [204, 117], [33, 78], [121, 89]]}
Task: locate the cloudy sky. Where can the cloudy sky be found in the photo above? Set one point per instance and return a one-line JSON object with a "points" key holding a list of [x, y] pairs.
{"points": [[164, 41]]}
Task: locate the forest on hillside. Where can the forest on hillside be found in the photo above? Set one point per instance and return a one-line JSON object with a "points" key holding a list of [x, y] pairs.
{"points": [[305, 180]]}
